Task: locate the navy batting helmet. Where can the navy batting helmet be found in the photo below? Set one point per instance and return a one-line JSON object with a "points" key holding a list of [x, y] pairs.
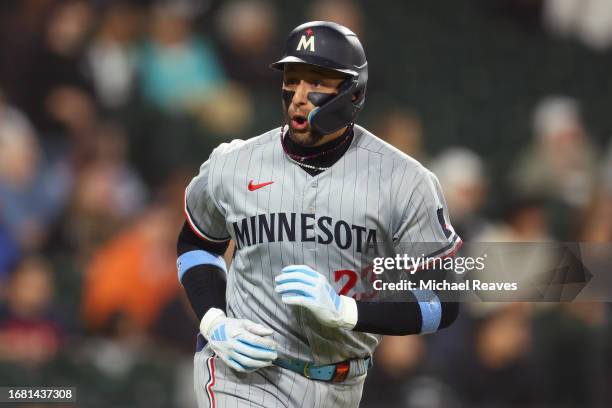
{"points": [[331, 46]]}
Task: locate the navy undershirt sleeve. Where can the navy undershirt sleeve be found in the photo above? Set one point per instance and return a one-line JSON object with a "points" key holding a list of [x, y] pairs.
{"points": [[204, 284]]}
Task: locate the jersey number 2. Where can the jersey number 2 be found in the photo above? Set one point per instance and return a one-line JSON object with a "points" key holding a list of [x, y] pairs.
{"points": [[349, 284]]}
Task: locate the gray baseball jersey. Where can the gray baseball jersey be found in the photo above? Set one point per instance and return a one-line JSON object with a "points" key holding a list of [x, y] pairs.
{"points": [[370, 200]]}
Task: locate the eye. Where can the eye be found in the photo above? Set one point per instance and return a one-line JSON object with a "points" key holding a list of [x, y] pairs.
{"points": [[317, 83], [291, 81]]}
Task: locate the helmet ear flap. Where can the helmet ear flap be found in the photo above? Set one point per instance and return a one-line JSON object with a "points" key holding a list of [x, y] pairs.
{"points": [[357, 95], [359, 92], [338, 112]]}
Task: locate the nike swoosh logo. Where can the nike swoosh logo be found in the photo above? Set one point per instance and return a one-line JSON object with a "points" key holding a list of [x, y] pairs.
{"points": [[253, 187]]}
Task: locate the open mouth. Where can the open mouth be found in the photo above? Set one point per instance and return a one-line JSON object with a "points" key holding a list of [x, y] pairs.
{"points": [[299, 122]]}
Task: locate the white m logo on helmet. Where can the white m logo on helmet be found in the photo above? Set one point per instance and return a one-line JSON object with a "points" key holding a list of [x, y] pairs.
{"points": [[306, 43]]}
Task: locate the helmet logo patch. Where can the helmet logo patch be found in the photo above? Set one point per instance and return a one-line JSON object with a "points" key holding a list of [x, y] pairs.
{"points": [[307, 42]]}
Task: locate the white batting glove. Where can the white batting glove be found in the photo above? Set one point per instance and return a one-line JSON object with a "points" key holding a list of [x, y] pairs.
{"points": [[242, 344], [301, 285]]}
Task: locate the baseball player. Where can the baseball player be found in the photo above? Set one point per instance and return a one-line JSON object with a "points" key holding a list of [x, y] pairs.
{"points": [[286, 325]]}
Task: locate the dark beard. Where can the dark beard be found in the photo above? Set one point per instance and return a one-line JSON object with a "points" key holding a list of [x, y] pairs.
{"points": [[306, 139]]}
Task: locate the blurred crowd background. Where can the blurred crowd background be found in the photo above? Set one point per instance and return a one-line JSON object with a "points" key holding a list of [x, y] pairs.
{"points": [[108, 107]]}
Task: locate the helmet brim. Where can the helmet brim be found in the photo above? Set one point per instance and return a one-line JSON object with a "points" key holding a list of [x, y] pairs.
{"points": [[321, 63]]}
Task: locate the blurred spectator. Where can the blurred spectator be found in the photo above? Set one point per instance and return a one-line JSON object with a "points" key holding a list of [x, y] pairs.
{"points": [[559, 165], [570, 349], [589, 20], [178, 68], [497, 369], [60, 101], [247, 30], [400, 355], [398, 363], [565, 163], [128, 369], [526, 219], [13, 120], [21, 25], [33, 190], [345, 12], [112, 54], [404, 130], [461, 174], [107, 193], [30, 333], [133, 276], [181, 73], [522, 251], [120, 349]]}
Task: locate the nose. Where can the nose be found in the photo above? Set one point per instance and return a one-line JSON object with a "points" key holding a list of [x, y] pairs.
{"points": [[300, 97]]}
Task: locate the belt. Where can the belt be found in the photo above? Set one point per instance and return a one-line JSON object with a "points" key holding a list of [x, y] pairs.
{"points": [[337, 372], [331, 373]]}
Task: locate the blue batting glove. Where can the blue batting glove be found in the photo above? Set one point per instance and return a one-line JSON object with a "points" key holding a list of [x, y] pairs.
{"points": [[302, 286], [242, 344]]}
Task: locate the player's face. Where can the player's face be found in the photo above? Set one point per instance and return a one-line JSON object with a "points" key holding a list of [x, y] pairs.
{"points": [[302, 79]]}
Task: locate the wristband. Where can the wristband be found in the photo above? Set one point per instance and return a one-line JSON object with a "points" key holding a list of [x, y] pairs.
{"points": [[431, 310], [348, 308], [199, 257], [211, 317]]}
